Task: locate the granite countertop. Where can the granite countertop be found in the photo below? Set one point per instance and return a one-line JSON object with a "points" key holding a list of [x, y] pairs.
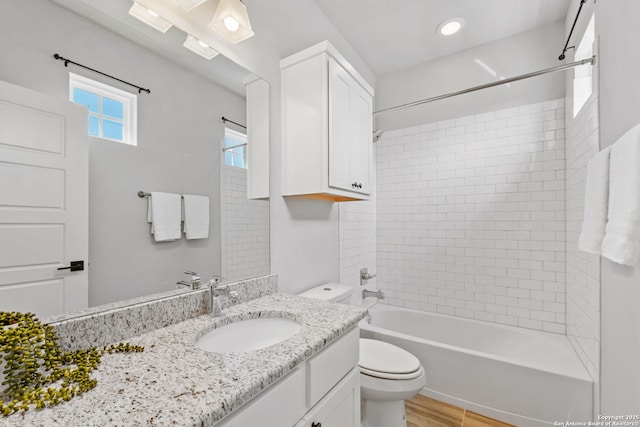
{"points": [[174, 383]]}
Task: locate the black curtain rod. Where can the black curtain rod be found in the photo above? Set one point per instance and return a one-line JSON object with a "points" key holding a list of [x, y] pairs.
{"points": [[225, 120], [566, 45], [68, 61]]}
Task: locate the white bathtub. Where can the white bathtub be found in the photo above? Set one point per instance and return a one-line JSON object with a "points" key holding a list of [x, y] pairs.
{"points": [[521, 376]]}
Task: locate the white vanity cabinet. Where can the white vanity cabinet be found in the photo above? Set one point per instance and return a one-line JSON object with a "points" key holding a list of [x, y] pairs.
{"points": [[327, 127], [339, 408], [322, 391]]}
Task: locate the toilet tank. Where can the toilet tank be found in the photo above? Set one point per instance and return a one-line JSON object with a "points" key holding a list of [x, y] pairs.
{"points": [[332, 292]]}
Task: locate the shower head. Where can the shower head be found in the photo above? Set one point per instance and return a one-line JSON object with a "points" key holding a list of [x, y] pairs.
{"points": [[377, 134]]}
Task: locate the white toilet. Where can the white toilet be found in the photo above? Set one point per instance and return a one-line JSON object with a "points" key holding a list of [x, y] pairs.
{"points": [[388, 374]]}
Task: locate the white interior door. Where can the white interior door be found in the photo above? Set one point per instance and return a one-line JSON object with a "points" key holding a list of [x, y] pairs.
{"points": [[43, 202]]}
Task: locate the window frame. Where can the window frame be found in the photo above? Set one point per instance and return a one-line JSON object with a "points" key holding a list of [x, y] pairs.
{"points": [[128, 100], [582, 81], [238, 135]]}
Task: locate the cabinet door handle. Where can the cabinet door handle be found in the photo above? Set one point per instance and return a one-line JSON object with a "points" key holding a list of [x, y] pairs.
{"points": [[354, 185], [316, 425]]}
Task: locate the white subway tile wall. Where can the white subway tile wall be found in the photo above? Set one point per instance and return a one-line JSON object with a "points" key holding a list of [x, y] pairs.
{"points": [[244, 227], [358, 243], [583, 269], [471, 216]]}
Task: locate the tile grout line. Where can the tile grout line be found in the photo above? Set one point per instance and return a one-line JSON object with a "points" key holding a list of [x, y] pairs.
{"points": [[464, 415]]}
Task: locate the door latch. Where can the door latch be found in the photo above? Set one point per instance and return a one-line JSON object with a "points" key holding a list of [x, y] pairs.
{"points": [[75, 266]]}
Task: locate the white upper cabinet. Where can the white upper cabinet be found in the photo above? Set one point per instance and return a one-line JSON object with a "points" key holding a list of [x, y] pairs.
{"points": [[257, 138], [326, 127]]}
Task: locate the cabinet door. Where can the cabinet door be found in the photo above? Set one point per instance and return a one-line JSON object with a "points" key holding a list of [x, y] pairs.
{"points": [[350, 133], [340, 87], [340, 407], [280, 405], [361, 138]]}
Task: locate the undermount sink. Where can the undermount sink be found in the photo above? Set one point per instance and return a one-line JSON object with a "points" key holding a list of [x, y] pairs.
{"points": [[248, 335]]}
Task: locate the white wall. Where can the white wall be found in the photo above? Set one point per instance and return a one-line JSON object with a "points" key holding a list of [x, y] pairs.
{"points": [[178, 134], [358, 242], [619, 60], [522, 53], [471, 216]]}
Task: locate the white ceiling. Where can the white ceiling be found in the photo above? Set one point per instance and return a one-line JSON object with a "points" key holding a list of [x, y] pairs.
{"points": [[391, 35], [388, 35]]}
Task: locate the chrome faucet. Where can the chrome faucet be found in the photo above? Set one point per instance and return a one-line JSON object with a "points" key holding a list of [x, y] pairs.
{"points": [[193, 284], [365, 276], [216, 290], [377, 294]]}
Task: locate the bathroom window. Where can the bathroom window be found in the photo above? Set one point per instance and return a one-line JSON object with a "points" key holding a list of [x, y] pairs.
{"points": [[583, 75], [112, 112], [235, 144]]}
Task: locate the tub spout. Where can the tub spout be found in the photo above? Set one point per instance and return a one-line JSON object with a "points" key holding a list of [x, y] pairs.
{"points": [[377, 294]]}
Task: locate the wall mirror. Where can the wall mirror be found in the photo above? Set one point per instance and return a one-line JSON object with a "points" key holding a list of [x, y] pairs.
{"points": [[180, 141]]}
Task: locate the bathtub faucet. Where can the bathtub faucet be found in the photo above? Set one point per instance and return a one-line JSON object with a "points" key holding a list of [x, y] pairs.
{"points": [[365, 276], [377, 294]]}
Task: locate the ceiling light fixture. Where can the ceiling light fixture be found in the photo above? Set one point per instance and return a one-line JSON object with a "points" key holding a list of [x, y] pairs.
{"points": [[450, 26], [231, 21], [200, 47], [149, 17], [188, 5]]}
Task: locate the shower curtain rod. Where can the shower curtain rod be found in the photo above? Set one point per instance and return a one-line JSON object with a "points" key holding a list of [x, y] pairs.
{"points": [[591, 61], [225, 120], [67, 61]]}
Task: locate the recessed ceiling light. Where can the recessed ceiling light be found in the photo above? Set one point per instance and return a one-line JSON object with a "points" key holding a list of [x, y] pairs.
{"points": [[450, 26]]}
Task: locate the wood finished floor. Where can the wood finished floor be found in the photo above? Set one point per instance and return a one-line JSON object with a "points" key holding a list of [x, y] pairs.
{"points": [[425, 412]]}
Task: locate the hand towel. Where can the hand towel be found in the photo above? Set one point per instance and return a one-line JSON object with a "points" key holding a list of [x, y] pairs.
{"points": [[164, 215], [596, 203], [196, 217], [621, 242]]}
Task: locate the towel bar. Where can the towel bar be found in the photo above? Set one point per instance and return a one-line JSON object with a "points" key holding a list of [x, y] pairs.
{"points": [[143, 194]]}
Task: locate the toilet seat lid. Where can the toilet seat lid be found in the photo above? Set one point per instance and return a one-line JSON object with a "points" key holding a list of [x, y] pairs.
{"points": [[388, 376], [382, 357]]}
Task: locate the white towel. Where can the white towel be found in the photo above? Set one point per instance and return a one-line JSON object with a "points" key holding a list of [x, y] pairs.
{"points": [[196, 217], [164, 215], [621, 242], [596, 203]]}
